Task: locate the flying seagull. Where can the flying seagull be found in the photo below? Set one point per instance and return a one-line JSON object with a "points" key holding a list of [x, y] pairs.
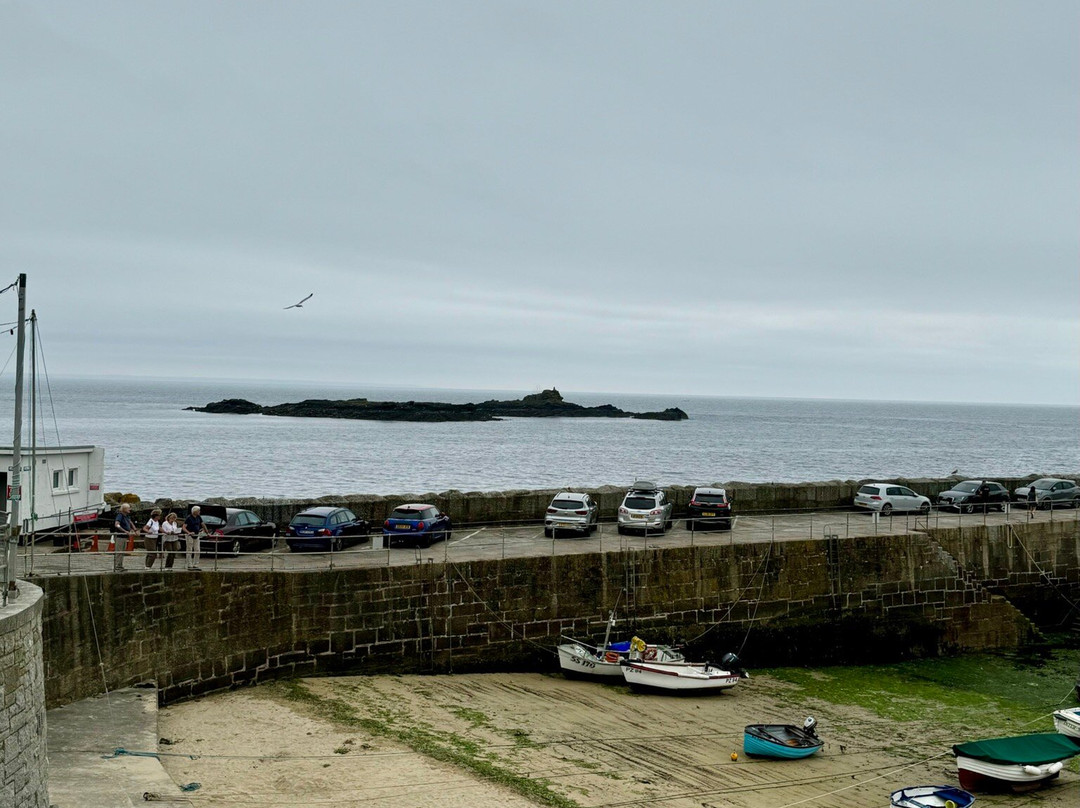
{"points": [[300, 305]]}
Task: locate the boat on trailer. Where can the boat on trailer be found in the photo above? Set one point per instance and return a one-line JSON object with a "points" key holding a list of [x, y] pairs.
{"points": [[782, 741], [931, 797], [1018, 763], [1067, 722], [683, 676]]}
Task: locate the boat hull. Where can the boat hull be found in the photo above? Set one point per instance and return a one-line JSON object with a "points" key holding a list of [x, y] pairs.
{"points": [[576, 661], [677, 677], [982, 775], [931, 797], [1067, 722], [782, 742]]}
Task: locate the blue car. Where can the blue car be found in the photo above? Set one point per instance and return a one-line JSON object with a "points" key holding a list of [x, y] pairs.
{"points": [[417, 524], [325, 529]]}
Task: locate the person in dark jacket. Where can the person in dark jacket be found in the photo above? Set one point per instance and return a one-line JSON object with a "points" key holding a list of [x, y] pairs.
{"points": [[123, 529], [1032, 501]]}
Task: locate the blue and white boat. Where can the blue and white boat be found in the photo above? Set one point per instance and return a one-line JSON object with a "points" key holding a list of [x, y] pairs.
{"points": [[782, 741], [931, 797]]}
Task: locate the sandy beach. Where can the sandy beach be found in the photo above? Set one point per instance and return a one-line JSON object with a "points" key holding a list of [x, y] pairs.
{"points": [[525, 739]]}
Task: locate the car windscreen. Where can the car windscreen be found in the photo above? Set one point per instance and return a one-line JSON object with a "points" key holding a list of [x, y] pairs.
{"points": [[308, 519], [568, 504], [640, 503], [868, 489], [710, 499], [967, 488], [407, 513], [212, 521]]}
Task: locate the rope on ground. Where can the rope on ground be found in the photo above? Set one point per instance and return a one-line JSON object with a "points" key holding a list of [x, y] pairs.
{"points": [[864, 782], [493, 613]]}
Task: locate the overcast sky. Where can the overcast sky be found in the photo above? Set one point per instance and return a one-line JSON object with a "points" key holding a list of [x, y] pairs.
{"points": [[841, 200]]}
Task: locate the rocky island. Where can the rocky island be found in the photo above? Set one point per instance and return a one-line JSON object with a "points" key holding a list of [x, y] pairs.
{"points": [[547, 404]]}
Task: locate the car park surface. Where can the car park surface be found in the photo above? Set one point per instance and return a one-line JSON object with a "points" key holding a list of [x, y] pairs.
{"points": [[325, 528]]}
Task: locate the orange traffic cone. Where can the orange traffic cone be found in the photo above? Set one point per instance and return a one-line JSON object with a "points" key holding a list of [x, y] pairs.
{"points": [[93, 543]]}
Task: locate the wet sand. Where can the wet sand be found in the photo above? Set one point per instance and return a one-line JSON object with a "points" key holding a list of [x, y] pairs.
{"points": [[492, 740]]}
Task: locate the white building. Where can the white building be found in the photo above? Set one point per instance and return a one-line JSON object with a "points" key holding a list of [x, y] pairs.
{"points": [[65, 485]]}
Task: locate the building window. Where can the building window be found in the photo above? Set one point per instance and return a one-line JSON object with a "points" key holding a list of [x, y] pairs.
{"points": [[57, 479], [73, 477]]}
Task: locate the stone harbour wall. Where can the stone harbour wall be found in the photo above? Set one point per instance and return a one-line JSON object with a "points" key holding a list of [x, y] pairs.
{"points": [[23, 764], [798, 602], [473, 507]]}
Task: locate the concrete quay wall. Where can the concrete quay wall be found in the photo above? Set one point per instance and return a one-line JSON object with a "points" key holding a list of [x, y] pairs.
{"points": [[796, 602], [475, 507], [23, 763]]}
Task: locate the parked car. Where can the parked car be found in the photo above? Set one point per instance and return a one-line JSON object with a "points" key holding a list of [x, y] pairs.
{"points": [[1050, 491], [571, 512], [709, 507], [418, 524], [888, 497], [233, 531], [325, 528], [972, 495], [645, 507]]}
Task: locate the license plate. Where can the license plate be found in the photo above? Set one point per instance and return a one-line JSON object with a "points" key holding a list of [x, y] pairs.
{"points": [[709, 513], [402, 527], [564, 524], [638, 516]]}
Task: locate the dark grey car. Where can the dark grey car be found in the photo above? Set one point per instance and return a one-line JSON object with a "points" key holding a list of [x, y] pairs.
{"points": [[975, 495], [1051, 491]]}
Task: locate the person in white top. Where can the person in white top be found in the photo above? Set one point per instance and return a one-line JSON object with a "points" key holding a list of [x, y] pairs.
{"points": [[170, 539], [151, 530]]}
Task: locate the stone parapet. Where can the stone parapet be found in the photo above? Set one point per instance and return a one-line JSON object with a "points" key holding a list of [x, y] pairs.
{"points": [[23, 764]]}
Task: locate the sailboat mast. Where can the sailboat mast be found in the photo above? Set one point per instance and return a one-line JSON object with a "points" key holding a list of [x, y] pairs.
{"points": [[15, 477], [32, 482]]}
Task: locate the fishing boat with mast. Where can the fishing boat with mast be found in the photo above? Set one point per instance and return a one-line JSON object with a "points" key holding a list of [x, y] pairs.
{"points": [[579, 659]]}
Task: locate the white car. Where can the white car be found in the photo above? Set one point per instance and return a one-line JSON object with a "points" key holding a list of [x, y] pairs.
{"points": [[888, 497], [645, 507], [571, 511]]}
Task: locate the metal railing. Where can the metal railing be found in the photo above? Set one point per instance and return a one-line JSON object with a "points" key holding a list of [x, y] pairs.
{"points": [[500, 541]]}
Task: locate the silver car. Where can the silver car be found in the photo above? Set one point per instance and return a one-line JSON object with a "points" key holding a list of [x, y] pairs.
{"points": [[645, 507], [1051, 491], [569, 511]]}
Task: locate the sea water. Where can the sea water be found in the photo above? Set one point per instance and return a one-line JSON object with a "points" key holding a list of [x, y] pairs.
{"points": [[153, 447]]}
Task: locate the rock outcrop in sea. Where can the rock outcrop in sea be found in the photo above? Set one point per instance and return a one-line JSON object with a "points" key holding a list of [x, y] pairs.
{"points": [[546, 404]]}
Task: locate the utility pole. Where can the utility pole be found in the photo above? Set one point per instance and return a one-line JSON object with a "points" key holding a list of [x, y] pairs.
{"points": [[15, 478]]}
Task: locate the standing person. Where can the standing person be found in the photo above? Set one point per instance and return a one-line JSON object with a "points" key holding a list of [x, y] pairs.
{"points": [[170, 539], [1032, 500], [151, 532], [193, 527], [123, 529]]}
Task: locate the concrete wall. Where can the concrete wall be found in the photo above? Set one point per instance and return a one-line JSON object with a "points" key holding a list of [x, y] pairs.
{"points": [[885, 597], [529, 505], [23, 764]]}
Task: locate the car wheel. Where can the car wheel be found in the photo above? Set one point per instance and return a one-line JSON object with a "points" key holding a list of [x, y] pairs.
{"points": [[336, 544], [1076, 503], [549, 533], [924, 509], [886, 509], [621, 530], [235, 549], [725, 525], [969, 508], [690, 525], [667, 526]]}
